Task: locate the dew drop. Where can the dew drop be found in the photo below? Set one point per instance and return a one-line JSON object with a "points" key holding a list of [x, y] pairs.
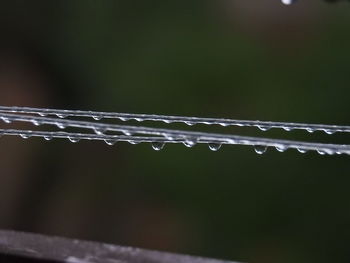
{"points": [[133, 142], [60, 125], [287, 128], [36, 123], [97, 117], [73, 139], [157, 146], [24, 135], [260, 149], [127, 133], [189, 123], [110, 142], [263, 128], [330, 132], [99, 131], [189, 143], [321, 152], [42, 114], [301, 150], [214, 146], [288, 2], [6, 120], [281, 148], [48, 138], [310, 130], [61, 115]]}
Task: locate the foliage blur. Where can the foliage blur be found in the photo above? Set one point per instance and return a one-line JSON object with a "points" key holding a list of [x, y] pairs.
{"points": [[237, 59]]}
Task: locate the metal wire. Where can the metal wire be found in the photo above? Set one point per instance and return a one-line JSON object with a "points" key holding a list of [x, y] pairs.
{"points": [[157, 136]]}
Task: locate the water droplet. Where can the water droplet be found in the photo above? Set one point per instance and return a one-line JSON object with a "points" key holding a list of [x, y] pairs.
{"points": [[281, 148], [310, 130], [24, 135], [301, 150], [36, 123], [111, 142], [260, 149], [127, 133], [6, 120], [189, 143], [61, 115], [133, 142], [97, 117], [214, 146], [73, 139], [60, 125], [157, 146], [48, 138], [42, 114], [99, 131], [287, 128], [223, 124], [330, 132], [189, 123], [263, 128], [321, 152], [288, 2]]}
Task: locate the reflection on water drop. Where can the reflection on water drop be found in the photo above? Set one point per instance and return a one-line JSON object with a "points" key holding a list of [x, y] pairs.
{"points": [[189, 123], [301, 150], [6, 120], [60, 125], [24, 136], [61, 115], [287, 128], [330, 132], [36, 123], [260, 149], [321, 152], [110, 142], [127, 133], [310, 130], [214, 146], [42, 114], [48, 138], [99, 131], [263, 128], [189, 143], [281, 148], [288, 2], [157, 146], [133, 142], [73, 139], [97, 117]]}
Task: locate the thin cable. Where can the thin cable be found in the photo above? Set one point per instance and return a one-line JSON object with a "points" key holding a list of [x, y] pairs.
{"points": [[262, 125]]}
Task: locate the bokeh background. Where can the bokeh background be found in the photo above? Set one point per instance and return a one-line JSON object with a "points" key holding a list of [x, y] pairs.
{"points": [[255, 59]]}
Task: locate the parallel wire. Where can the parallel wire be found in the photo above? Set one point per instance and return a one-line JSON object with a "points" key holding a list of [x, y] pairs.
{"points": [[188, 138], [262, 125]]}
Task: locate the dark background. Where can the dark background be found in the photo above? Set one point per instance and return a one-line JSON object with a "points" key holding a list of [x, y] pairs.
{"points": [[242, 59]]}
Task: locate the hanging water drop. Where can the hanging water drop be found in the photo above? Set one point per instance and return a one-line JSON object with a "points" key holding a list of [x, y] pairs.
{"points": [[36, 123], [111, 142], [263, 128], [321, 152], [281, 148], [157, 146], [6, 120], [189, 123], [288, 2], [287, 128], [99, 131], [310, 130], [189, 143], [97, 117], [127, 133], [330, 132], [301, 150], [24, 136], [133, 142], [61, 115], [73, 139], [259, 149], [214, 146], [42, 114], [60, 125], [48, 138]]}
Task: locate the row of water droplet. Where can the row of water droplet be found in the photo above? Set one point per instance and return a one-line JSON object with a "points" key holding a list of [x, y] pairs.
{"points": [[97, 116], [159, 143]]}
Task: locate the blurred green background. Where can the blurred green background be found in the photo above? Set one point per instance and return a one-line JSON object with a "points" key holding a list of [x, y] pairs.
{"points": [[239, 59]]}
